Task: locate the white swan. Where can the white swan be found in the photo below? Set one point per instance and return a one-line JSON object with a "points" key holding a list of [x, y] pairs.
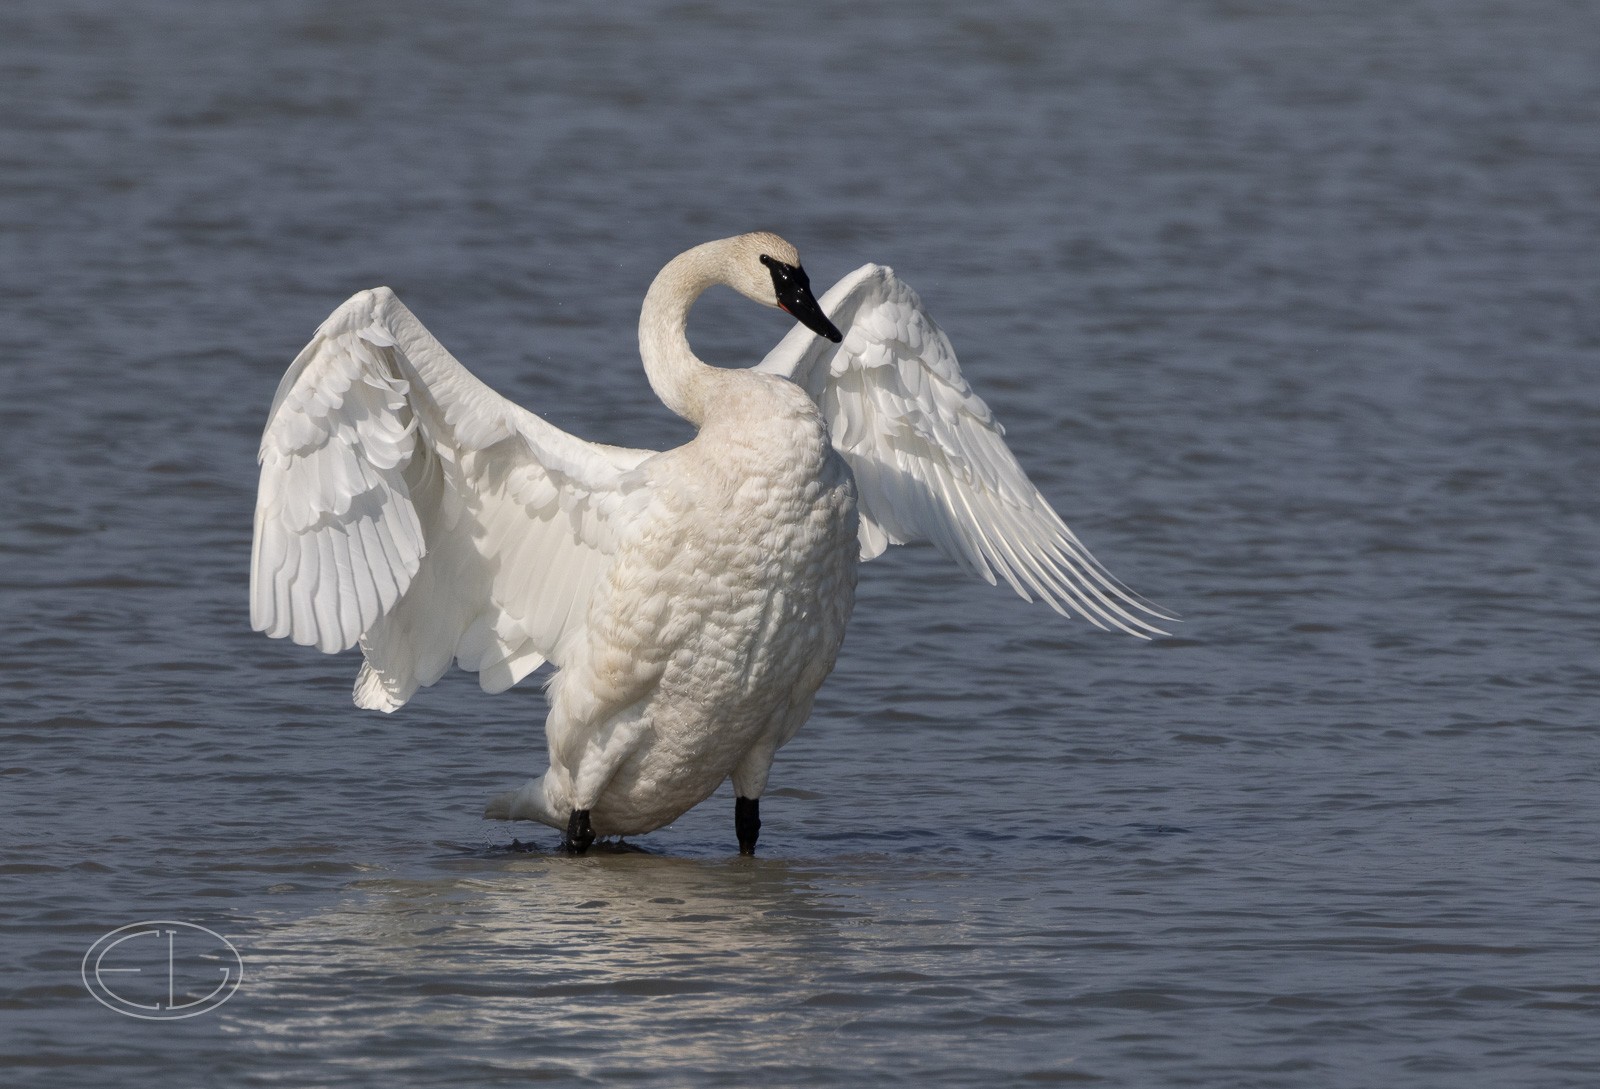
{"points": [[694, 599]]}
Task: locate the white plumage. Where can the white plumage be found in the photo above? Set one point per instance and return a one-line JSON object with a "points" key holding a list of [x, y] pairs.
{"points": [[694, 599]]}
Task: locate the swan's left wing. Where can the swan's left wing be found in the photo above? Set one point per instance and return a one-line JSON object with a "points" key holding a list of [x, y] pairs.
{"points": [[929, 458]]}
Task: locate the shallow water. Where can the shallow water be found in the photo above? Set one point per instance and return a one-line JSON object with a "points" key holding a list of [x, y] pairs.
{"points": [[1291, 309]]}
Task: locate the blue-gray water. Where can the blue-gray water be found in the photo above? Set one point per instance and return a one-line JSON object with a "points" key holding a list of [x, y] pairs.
{"points": [[1290, 307]]}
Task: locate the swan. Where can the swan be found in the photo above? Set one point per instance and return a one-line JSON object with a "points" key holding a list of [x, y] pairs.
{"points": [[693, 600]]}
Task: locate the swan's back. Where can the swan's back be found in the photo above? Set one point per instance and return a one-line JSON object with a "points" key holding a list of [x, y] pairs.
{"points": [[722, 612]]}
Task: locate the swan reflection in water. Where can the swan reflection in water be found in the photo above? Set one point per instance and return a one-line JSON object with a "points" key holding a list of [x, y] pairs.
{"points": [[674, 959]]}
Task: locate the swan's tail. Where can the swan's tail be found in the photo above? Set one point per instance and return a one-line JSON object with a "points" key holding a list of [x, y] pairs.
{"points": [[527, 803]]}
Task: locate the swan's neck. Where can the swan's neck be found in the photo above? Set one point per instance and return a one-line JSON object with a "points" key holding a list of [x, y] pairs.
{"points": [[680, 379]]}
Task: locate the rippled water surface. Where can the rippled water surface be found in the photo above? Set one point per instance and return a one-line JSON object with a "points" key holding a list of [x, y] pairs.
{"points": [[1290, 307]]}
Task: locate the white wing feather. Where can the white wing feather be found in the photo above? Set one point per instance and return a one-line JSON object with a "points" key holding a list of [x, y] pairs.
{"points": [[929, 459], [406, 506]]}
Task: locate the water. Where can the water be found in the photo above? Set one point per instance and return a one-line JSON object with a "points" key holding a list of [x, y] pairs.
{"points": [[1290, 307]]}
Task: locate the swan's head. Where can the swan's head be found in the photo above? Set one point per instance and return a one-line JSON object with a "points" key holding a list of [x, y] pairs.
{"points": [[767, 269]]}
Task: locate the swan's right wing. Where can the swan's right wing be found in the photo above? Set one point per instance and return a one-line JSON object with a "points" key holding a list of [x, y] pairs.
{"points": [[930, 460], [405, 505]]}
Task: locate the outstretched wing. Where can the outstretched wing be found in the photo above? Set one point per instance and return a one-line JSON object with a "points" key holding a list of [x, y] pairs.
{"points": [[406, 506], [929, 459]]}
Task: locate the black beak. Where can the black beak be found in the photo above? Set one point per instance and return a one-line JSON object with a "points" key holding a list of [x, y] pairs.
{"points": [[793, 288]]}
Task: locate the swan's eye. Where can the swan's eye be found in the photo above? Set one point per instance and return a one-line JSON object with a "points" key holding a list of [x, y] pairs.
{"points": [[784, 275], [780, 271]]}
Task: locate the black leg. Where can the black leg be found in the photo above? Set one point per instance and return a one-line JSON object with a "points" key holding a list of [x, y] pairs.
{"points": [[747, 823], [579, 834]]}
